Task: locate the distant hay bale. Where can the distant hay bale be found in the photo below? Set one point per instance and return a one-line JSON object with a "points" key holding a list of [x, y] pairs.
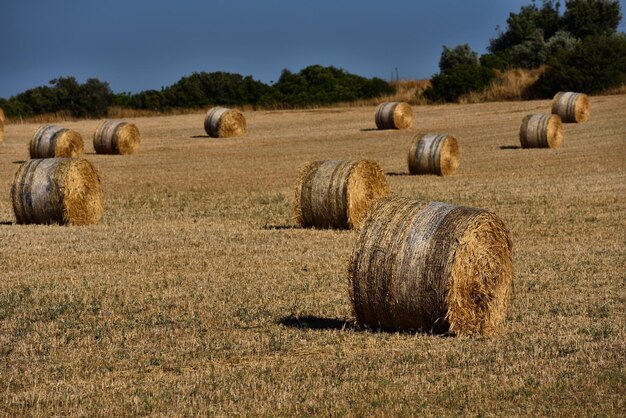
{"points": [[221, 122], [394, 115], [116, 137], [541, 131], [434, 154], [337, 194], [431, 267], [1, 126], [57, 190], [571, 107], [51, 141]]}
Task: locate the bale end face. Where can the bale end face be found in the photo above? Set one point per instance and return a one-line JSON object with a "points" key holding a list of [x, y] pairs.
{"points": [[481, 277]]}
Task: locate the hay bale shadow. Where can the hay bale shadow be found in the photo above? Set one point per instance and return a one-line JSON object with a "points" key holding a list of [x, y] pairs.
{"points": [[279, 227], [6, 223], [317, 323], [321, 324], [370, 129], [19, 162], [200, 136], [395, 173], [510, 147]]}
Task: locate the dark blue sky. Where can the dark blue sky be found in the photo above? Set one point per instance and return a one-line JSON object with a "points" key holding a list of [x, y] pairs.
{"points": [[138, 44]]}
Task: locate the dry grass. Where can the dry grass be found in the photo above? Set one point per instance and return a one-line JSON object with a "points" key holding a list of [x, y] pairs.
{"points": [[512, 85], [196, 294]]}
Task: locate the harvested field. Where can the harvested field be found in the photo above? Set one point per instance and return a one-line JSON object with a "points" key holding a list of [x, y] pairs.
{"points": [[197, 294]]}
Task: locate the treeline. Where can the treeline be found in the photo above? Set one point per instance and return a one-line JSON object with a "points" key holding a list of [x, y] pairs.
{"points": [[580, 50], [313, 85]]}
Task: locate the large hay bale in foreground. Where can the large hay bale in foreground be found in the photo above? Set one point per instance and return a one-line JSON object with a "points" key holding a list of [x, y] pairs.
{"points": [[57, 190], [116, 137], [1, 125], [571, 107], [394, 115], [337, 194], [541, 131], [221, 122], [50, 141], [434, 154], [431, 267]]}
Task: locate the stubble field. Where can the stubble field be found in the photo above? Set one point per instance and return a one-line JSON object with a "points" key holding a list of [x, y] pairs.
{"points": [[197, 294]]}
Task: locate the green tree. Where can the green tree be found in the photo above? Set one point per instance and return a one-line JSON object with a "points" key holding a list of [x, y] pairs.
{"points": [[522, 25], [459, 55], [595, 64], [320, 85], [584, 18], [460, 73]]}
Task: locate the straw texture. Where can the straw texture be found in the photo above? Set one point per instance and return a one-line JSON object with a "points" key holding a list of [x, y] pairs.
{"points": [[116, 137], [434, 154], [57, 190], [431, 267], [394, 115], [1, 126], [541, 131], [571, 107], [51, 141], [221, 122], [337, 194]]}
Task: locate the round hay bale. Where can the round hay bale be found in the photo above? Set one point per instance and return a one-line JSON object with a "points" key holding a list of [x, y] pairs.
{"points": [[57, 190], [51, 141], [116, 137], [1, 125], [394, 115], [221, 122], [541, 131], [337, 194], [571, 107], [434, 154], [431, 267]]}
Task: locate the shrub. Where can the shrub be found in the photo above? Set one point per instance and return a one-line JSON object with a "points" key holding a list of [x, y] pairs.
{"points": [[585, 18], [595, 64], [451, 84]]}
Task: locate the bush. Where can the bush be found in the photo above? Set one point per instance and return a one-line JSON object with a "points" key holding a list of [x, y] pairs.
{"points": [[454, 57], [318, 85], [595, 64], [460, 73], [584, 18], [522, 25], [451, 84], [90, 99]]}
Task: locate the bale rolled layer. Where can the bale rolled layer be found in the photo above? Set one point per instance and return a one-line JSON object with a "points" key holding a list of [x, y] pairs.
{"points": [[221, 122], [394, 115], [431, 267], [541, 131], [57, 190], [50, 141], [1, 125], [116, 137], [434, 154], [337, 194], [571, 107]]}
